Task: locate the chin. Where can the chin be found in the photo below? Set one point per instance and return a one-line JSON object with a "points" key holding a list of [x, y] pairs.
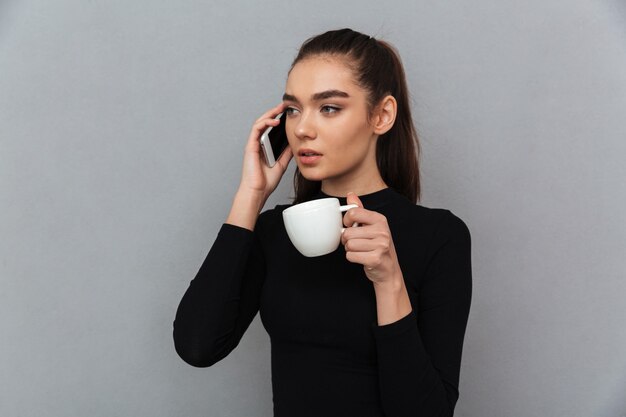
{"points": [[313, 177], [311, 174]]}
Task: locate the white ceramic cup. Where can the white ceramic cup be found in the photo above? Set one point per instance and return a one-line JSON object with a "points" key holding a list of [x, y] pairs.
{"points": [[314, 227]]}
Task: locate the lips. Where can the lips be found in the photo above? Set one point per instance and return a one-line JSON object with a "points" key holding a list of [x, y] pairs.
{"points": [[309, 156], [308, 152]]}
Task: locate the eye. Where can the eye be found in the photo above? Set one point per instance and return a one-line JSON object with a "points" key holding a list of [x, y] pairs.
{"points": [[330, 109], [290, 111]]}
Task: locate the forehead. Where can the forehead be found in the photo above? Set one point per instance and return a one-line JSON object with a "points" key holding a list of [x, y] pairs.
{"points": [[320, 73]]}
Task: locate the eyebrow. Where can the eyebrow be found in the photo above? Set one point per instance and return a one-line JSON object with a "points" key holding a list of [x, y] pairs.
{"points": [[318, 96]]}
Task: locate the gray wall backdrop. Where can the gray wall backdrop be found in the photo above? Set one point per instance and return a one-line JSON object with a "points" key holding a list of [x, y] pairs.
{"points": [[122, 126]]}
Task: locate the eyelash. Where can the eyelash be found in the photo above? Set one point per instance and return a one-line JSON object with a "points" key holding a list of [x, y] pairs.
{"points": [[332, 108], [327, 109]]}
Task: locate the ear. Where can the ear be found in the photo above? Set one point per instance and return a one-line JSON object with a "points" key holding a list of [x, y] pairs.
{"points": [[385, 115]]}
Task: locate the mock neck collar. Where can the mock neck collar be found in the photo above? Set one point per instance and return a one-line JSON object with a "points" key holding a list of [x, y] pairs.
{"points": [[370, 201]]}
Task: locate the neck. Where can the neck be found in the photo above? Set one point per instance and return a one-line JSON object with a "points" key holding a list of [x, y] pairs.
{"points": [[361, 188]]}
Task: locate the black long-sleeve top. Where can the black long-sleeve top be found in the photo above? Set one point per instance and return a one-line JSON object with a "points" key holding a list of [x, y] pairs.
{"points": [[329, 356]]}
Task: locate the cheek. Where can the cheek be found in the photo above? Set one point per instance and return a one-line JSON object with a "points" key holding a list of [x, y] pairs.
{"points": [[354, 143], [349, 153], [290, 141]]}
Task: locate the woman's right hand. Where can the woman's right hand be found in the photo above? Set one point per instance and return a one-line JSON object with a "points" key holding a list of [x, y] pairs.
{"points": [[256, 177]]}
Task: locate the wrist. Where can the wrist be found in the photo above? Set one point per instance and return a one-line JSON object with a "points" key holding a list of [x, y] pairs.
{"points": [[245, 209], [392, 301], [394, 285], [250, 198]]}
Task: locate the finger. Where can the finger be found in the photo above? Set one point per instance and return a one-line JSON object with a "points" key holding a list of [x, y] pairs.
{"points": [[257, 130], [286, 156], [362, 258], [352, 198], [263, 124], [363, 232], [362, 216], [271, 113], [348, 217], [360, 245]]}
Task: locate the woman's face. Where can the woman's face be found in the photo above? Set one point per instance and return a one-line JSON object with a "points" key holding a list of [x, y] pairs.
{"points": [[327, 113]]}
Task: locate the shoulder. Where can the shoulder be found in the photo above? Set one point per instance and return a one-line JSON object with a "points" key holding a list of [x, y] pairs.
{"points": [[429, 241], [428, 220], [270, 221], [270, 215], [444, 226], [448, 243], [429, 229]]}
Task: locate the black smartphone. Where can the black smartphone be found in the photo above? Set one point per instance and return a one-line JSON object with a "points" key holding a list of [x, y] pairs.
{"points": [[274, 140]]}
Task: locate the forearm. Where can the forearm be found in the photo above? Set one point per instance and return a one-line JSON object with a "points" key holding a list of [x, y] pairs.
{"points": [[221, 300], [409, 383]]}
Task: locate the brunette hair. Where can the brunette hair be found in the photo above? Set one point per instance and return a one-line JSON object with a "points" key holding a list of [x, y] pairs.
{"points": [[378, 70]]}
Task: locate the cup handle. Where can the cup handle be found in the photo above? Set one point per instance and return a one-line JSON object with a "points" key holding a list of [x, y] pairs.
{"points": [[346, 208]]}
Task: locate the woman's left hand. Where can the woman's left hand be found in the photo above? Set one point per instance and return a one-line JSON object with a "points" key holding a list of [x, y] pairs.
{"points": [[370, 244]]}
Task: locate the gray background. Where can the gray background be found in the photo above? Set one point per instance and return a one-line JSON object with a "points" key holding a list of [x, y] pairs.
{"points": [[122, 127]]}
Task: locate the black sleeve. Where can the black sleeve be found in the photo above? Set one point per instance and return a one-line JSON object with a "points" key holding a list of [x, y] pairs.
{"points": [[222, 299], [420, 354]]}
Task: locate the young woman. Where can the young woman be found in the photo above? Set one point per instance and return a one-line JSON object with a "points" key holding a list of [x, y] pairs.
{"points": [[375, 328]]}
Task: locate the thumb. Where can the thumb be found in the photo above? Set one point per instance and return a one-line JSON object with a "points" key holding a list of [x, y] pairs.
{"points": [[352, 198]]}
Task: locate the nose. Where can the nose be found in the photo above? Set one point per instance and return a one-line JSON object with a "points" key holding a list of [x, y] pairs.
{"points": [[305, 128]]}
